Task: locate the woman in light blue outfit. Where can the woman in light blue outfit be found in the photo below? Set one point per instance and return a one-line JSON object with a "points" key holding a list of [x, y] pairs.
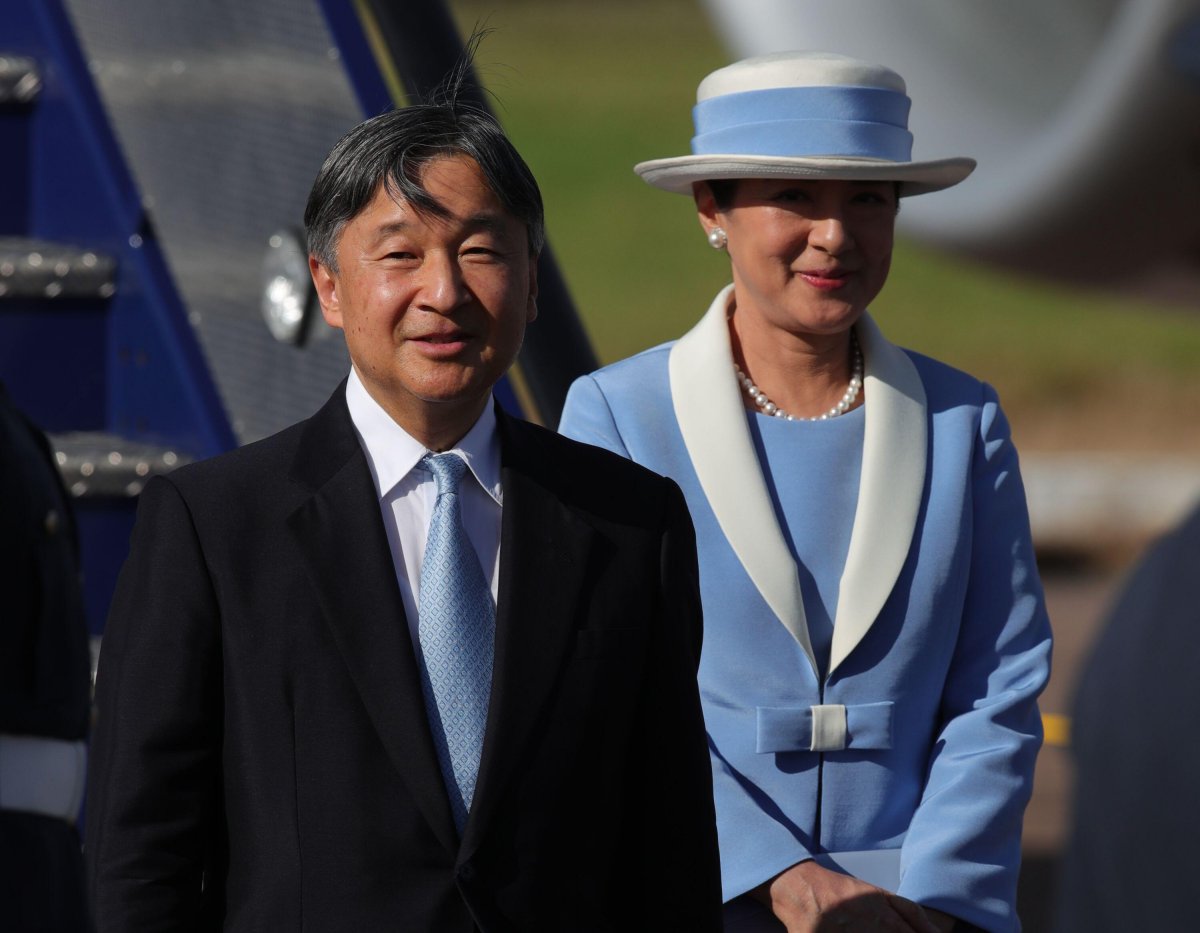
{"points": [[875, 634]]}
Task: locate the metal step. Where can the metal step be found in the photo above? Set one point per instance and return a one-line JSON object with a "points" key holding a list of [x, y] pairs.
{"points": [[32, 268], [96, 465]]}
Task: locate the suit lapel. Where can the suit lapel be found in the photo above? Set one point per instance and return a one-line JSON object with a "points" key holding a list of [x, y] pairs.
{"points": [[543, 552], [340, 534], [712, 419]]}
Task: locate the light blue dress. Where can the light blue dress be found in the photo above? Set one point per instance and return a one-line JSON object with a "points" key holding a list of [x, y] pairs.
{"points": [[812, 470], [907, 725]]}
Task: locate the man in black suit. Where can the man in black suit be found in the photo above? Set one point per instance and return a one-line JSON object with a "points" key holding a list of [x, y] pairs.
{"points": [[275, 749]]}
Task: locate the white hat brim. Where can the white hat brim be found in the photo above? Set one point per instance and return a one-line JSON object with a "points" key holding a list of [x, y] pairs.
{"points": [[679, 174]]}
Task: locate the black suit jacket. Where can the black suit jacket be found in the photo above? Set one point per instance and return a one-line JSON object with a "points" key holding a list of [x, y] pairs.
{"points": [[262, 759]]}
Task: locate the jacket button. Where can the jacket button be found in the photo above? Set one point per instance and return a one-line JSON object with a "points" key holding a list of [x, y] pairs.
{"points": [[466, 873]]}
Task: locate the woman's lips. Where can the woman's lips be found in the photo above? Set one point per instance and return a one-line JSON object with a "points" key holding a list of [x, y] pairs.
{"points": [[825, 280]]}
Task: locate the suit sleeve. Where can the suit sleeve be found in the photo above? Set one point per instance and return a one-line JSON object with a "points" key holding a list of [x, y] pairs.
{"points": [[678, 869], [963, 848], [154, 783]]}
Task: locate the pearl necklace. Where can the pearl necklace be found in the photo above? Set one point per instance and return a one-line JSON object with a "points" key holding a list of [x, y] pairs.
{"points": [[770, 408]]}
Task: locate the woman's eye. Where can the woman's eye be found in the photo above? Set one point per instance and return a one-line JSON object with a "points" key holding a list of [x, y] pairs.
{"points": [[873, 197]]}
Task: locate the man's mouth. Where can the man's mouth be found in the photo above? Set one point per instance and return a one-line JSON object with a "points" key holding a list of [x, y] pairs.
{"points": [[442, 343]]}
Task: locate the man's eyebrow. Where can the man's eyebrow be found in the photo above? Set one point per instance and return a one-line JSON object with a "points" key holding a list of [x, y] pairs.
{"points": [[488, 221], [390, 228]]}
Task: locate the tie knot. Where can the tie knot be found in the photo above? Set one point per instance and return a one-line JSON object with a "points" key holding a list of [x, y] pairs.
{"points": [[447, 470]]}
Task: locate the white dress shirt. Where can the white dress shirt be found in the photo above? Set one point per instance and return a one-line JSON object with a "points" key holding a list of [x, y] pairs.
{"points": [[407, 491]]}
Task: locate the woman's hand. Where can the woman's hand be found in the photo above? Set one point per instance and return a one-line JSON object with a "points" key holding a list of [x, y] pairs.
{"points": [[808, 898]]}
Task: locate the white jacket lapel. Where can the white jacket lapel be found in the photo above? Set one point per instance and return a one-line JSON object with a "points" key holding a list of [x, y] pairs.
{"points": [[712, 419], [889, 492]]}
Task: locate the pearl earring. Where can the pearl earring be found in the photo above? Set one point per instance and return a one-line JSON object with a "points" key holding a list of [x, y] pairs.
{"points": [[717, 238]]}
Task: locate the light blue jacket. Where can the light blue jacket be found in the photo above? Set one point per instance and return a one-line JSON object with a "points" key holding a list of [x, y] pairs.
{"points": [[923, 735]]}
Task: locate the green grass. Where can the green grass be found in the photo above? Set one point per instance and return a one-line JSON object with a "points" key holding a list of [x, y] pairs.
{"points": [[1053, 352], [586, 89]]}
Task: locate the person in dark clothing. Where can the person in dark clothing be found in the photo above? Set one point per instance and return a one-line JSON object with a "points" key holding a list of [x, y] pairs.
{"points": [[44, 687], [1130, 861]]}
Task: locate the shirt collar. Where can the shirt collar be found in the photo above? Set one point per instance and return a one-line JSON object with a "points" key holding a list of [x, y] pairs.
{"points": [[393, 453]]}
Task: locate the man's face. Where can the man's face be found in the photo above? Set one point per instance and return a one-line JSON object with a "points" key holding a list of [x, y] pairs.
{"points": [[433, 308]]}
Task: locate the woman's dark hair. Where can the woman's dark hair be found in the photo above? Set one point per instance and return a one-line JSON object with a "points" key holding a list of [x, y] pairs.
{"points": [[393, 149], [724, 190]]}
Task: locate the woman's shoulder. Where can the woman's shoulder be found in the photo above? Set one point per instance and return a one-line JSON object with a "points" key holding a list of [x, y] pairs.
{"points": [[636, 368], [643, 375], [946, 385], [620, 400], [960, 405]]}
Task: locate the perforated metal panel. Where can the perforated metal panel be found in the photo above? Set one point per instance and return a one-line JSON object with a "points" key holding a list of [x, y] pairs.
{"points": [[225, 110]]}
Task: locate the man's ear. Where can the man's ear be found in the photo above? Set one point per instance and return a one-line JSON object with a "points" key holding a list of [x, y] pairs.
{"points": [[531, 305], [326, 284]]}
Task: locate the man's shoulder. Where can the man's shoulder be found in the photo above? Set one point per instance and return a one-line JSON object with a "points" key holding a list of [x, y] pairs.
{"points": [[313, 446], [569, 452], [590, 477], [263, 457], [249, 482]]}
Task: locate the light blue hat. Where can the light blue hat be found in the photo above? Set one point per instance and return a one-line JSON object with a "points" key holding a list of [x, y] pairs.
{"points": [[803, 115]]}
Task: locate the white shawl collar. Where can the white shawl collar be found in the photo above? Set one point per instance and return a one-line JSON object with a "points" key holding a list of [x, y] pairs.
{"points": [[712, 418]]}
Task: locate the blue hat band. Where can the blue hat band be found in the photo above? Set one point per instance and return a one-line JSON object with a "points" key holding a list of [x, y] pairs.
{"points": [[861, 122]]}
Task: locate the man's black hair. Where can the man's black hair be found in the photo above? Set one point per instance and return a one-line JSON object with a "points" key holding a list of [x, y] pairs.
{"points": [[394, 148]]}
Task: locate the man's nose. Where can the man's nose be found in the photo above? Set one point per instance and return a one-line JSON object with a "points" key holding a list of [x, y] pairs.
{"points": [[441, 285]]}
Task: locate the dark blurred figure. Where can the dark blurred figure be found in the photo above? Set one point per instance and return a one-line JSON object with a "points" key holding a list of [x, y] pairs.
{"points": [[44, 688], [1132, 859]]}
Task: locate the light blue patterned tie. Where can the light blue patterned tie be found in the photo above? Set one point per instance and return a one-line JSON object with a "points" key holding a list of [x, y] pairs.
{"points": [[456, 627]]}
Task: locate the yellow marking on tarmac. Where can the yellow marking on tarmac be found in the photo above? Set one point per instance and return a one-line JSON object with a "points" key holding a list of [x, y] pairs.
{"points": [[1057, 729]]}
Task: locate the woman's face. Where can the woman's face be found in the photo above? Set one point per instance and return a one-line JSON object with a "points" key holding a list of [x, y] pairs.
{"points": [[807, 256]]}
